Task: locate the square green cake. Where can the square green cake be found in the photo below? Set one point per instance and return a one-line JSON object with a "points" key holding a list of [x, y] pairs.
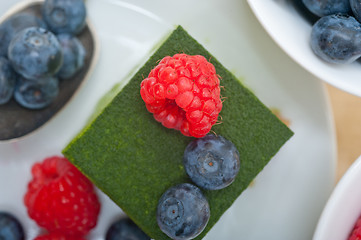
{"points": [[134, 159]]}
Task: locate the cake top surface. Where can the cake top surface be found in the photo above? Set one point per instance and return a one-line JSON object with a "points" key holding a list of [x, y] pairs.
{"points": [[134, 159]]}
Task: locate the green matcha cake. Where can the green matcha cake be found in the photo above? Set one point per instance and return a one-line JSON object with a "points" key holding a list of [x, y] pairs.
{"points": [[134, 159]]}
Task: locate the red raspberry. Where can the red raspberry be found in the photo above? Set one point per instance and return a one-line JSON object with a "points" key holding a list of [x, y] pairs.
{"points": [[57, 236], [356, 232], [61, 199], [183, 93]]}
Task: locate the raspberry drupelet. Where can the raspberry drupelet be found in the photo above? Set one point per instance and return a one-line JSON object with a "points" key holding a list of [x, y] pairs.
{"points": [[183, 93]]}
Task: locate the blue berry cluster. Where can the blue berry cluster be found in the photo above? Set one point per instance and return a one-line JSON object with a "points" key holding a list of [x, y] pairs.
{"points": [[335, 36], [212, 163], [38, 52]]}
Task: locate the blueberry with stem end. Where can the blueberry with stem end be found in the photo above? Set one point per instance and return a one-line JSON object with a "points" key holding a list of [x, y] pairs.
{"points": [[183, 212], [36, 94], [212, 162]]}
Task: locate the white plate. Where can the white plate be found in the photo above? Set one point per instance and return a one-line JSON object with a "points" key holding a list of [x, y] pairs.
{"points": [[291, 32], [286, 199]]}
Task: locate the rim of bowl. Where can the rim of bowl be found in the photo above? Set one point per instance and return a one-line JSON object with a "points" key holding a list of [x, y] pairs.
{"points": [[336, 213]]}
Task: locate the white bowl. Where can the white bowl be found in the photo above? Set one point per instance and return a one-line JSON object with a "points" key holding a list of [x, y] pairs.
{"points": [[343, 207], [291, 32]]}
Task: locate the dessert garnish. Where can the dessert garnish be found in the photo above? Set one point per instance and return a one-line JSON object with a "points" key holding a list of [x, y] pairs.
{"points": [[211, 162], [183, 92], [183, 212]]}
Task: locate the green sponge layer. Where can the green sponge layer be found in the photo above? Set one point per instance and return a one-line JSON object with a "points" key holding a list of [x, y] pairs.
{"points": [[134, 159]]}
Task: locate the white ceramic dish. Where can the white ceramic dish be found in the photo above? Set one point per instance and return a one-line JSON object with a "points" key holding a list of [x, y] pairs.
{"points": [[286, 198], [343, 207], [291, 32]]}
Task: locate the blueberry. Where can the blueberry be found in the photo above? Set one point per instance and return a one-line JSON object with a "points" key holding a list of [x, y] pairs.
{"points": [[212, 162], [64, 16], [7, 80], [10, 227], [336, 38], [125, 229], [35, 53], [183, 212], [14, 24], [73, 55], [36, 94], [327, 7], [356, 9]]}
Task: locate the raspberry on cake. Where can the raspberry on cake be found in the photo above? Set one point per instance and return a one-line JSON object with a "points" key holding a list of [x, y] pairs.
{"points": [[183, 93], [61, 199]]}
